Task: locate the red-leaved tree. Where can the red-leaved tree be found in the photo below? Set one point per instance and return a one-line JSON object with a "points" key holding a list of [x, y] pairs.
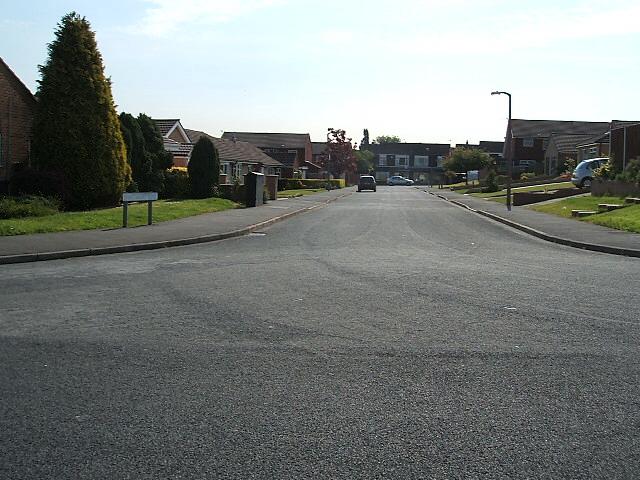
{"points": [[338, 157]]}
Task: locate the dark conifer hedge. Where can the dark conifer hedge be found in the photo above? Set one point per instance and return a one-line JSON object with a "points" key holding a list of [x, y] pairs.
{"points": [[203, 168], [76, 129]]}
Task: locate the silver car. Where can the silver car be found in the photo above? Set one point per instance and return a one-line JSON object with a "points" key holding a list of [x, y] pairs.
{"points": [[583, 174], [398, 180]]}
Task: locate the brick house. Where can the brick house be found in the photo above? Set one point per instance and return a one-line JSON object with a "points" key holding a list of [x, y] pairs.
{"points": [[560, 148], [625, 143], [17, 108], [292, 150], [238, 158], [175, 140], [418, 161], [527, 140]]}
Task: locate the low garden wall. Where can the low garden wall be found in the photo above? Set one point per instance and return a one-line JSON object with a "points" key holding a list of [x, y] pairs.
{"points": [[527, 198], [614, 188]]}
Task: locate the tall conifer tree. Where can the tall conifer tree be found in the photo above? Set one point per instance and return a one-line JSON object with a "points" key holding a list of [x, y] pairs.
{"points": [[76, 129]]}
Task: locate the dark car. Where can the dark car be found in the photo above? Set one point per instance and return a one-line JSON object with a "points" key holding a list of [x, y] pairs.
{"points": [[366, 182]]}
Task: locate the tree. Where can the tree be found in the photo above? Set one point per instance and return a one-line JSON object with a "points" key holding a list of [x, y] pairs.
{"points": [[365, 138], [339, 156], [76, 129], [145, 152], [203, 168], [381, 139], [364, 160], [465, 159]]}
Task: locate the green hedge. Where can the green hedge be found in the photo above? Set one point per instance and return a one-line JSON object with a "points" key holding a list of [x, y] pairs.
{"points": [[30, 206], [297, 183]]}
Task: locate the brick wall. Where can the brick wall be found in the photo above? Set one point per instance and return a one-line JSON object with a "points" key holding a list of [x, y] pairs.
{"points": [[17, 107]]}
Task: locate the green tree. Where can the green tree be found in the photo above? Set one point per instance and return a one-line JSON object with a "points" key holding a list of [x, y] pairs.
{"points": [[365, 138], [76, 129], [203, 168], [381, 139], [465, 159], [145, 152], [364, 161]]}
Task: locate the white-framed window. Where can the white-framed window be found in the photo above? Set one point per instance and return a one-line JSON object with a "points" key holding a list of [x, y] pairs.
{"points": [[402, 160], [382, 160], [224, 168], [237, 170], [421, 160], [527, 142]]}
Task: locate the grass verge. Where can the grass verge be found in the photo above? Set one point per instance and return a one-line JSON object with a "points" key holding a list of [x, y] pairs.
{"points": [[299, 192], [163, 210], [627, 219]]}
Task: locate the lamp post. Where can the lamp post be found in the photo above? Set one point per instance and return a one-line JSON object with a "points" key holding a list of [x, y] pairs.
{"points": [[508, 151], [329, 130]]}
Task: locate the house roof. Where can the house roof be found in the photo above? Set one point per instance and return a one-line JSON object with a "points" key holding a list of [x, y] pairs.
{"points": [[615, 124], [165, 125], [287, 159], [544, 128], [238, 151], [491, 146], [568, 142], [441, 149], [21, 87], [271, 140]]}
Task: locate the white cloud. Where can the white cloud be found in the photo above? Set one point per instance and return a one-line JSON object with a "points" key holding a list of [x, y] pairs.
{"points": [[168, 16]]}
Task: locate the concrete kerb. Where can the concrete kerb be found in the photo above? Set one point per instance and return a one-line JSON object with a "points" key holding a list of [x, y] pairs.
{"points": [[86, 252], [627, 252]]}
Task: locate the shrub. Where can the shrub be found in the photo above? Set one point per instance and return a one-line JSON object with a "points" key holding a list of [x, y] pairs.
{"points": [[604, 172], [29, 182], [28, 206], [527, 176], [176, 184], [491, 183], [203, 168], [294, 183], [631, 172]]}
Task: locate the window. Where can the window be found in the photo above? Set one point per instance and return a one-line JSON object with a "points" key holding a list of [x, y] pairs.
{"points": [[440, 160], [527, 142], [237, 170], [403, 160], [391, 160], [382, 160], [421, 161]]}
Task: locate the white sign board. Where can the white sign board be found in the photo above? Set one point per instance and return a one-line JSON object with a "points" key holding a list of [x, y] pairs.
{"points": [[473, 175], [139, 196]]}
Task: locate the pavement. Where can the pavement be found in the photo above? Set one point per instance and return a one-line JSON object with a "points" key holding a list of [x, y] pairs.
{"points": [[233, 223], [552, 228]]}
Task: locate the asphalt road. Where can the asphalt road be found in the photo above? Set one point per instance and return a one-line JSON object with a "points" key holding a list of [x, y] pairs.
{"points": [[389, 335]]}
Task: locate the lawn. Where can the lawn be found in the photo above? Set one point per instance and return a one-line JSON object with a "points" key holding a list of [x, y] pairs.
{"points": [[163, 210], [299, 192], [627, 218]]}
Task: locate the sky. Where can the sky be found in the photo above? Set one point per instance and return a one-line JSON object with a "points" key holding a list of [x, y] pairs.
{"points": [[421, 70]]}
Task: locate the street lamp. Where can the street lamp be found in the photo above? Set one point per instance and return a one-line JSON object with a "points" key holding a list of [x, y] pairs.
{"points": [[329, 130], [508, 151]]}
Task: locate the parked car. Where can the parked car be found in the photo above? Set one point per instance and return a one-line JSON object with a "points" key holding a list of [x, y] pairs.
{"points": [[366, 182], [398, 180], [583, 174]]}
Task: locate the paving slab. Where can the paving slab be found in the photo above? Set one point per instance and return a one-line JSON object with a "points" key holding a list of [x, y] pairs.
{"points": [[549, 227], [190, 230]]}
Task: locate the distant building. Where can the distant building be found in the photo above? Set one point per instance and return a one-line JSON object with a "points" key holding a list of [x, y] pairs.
{"points": [[17, 108], [175, 140], [527, 140], [417, 161], [292, 150]]}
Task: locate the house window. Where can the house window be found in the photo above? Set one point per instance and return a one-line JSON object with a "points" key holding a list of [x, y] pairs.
{"points": [[391, 160], [440, 161], [382, 160], [224, 168], [237, 170], [421, 160], [527, 142], [403, 160]]}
